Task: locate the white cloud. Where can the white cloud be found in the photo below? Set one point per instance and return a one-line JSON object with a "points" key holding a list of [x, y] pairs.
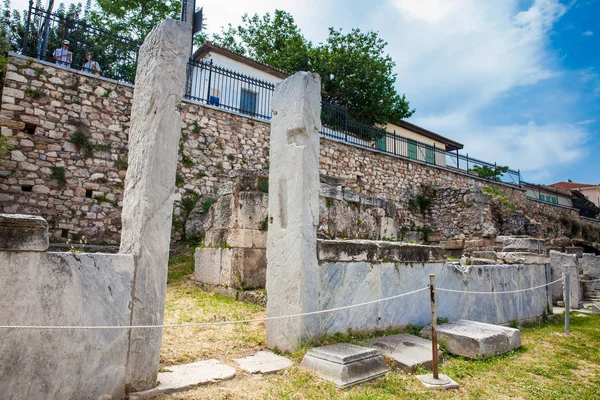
{"points": [[588, 33], [585, 122]]}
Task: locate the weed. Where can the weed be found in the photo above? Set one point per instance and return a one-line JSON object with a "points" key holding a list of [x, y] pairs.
{"points": [[35, 94], [195, 128], [58, 174], [187, 161], [121, 164], [201, 174], [263, 185], [102, 198], [206, 204], [102, 146], [6, 145], [328, 202], [497, 193], [264, 225], [80, 139], [231, 157], [107, 93], [178, 180], [419, 204]]}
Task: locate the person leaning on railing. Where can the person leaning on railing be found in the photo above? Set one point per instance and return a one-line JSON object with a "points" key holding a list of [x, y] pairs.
{"points": [[90, 66], [63, 56]]}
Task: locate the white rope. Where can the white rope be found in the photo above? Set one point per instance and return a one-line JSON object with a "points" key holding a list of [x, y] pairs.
{"points": [[508, 291], [204, 324]]}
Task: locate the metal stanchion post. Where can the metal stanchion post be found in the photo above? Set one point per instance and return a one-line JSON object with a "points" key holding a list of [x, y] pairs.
{"points": [[567, 295], [434, 345]]}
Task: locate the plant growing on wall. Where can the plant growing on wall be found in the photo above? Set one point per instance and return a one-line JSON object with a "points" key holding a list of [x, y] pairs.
{"points": [[58, 174], [497, 193], [5, 145], [422, 202], [80, 139]]}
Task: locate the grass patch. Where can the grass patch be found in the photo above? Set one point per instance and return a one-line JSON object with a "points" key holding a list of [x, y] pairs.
{"points": [[498, 193], [58, 174]]}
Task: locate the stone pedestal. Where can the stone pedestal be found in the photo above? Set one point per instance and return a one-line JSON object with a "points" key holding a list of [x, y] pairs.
{"points": [[149, 187], [292, 267], [23, 232], [345, 364]]}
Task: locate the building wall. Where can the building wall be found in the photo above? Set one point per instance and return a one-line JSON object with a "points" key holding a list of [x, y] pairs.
{"points": [[534, 193], [213, 144], [592, 194]]}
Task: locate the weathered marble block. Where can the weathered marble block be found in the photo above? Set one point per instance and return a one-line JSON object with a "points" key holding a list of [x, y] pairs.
{"points": [[23, 232]]}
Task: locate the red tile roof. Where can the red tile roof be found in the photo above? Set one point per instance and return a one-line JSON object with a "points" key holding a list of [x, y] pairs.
{"points": [[571, 185]]}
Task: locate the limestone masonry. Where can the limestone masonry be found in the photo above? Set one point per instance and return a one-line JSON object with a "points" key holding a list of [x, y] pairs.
{"points": [[69, 164]]}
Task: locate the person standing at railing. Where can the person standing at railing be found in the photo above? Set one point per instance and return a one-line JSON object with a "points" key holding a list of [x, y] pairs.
{"points": [[90, 66], [63, 56]]}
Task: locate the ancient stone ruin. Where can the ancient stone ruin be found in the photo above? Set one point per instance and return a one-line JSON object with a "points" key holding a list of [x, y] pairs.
{"points": [[73, 290]]}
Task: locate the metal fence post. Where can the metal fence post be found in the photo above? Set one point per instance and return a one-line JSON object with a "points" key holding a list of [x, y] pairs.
{"points": [[467, 162], [395, 152], [567, 298], [434, 344], [549, 287], [209, 78]]}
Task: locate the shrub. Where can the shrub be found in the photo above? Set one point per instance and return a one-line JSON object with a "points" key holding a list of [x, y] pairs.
{"points": [[206, 204], [187, 161], [5, 145], [35, 94], [121, 164], [490, 173]]}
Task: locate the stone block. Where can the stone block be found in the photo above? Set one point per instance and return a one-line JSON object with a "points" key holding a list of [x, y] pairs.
{"points": [[479, 244], [408, 351], [596, 308], [351, 195], [523, 258], [248, 268], [250, 210], [435, 237], [457, 244], [574, 250], [413, 236], [207, 265], [590, 265], [177, 378], [521, 244], [475, 339], [345, 364], [331, 192], [488, 254], [240, 238], [562, 263], [388, 228], [482, 261], [263, 362], [377, 251], [23, 232]]}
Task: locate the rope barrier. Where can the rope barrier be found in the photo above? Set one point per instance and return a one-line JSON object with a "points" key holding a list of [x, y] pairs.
{"points": [[588, 280], [205, 324], [508, 291], [264, 319]]}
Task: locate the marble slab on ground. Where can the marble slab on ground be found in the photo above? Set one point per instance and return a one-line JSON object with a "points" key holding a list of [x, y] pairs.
{"points": [[596, 308], [263, 362], [186, 376], [408, 351], [473, 339], [345, 364]]}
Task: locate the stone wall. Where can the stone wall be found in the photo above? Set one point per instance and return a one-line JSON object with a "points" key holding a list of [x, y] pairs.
{"points": [[353, 272], [43, 106]]}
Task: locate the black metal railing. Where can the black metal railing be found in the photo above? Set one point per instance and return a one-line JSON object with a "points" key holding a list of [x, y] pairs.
{"points": [[45, 31], [220, 87]]}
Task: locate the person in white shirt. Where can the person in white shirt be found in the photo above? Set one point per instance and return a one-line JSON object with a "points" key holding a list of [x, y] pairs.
{"points": [[63, 56], [91, 67]]}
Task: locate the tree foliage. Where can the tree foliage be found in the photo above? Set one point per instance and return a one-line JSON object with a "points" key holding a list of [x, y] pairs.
{"points": [[133, 18], [490, 173], [355, 70]]}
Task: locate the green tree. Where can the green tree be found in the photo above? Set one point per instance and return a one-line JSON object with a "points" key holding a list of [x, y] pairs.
{"points": [[133, 18], [490, 173], [355, 70], [275, 41], [357, 74]]}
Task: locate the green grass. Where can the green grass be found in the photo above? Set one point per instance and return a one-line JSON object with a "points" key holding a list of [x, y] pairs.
{"points": [[181, 264]]}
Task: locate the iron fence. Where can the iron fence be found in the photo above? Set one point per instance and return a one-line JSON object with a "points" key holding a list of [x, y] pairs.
{"points": [[220, 87], [45, 31]]}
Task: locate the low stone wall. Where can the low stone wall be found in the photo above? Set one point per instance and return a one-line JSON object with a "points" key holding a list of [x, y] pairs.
{"points": [[360, 271], [64, 289]]}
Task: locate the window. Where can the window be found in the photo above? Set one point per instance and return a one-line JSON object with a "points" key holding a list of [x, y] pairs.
{"points": [[430, 155], [248, 102], [412, 149]]}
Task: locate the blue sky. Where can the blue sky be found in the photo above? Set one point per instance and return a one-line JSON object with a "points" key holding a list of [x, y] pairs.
{"points": [[516, 81]]}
